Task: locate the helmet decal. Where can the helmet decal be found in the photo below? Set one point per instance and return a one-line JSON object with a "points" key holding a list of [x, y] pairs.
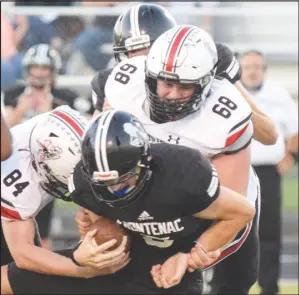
{"points": [[48, 150], [137, 136]]}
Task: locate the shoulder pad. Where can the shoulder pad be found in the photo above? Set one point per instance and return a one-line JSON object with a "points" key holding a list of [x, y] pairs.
{"points": [[125, 87], [220, 125]]}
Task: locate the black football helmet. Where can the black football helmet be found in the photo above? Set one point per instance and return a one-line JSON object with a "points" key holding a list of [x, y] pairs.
{"points": [[139, 27], [41, 55], [115, 148]]}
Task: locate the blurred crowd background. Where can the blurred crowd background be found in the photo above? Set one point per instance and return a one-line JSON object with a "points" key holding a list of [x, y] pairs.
{"points": [[82, 33]]}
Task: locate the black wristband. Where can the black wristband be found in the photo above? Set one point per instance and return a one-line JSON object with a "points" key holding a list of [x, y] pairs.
{"points": [[73, 258]]}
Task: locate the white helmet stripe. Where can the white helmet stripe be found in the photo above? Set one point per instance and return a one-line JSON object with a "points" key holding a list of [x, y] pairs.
{"points": [[97, 140], [101, 137], [134, 15], [104, 140]]}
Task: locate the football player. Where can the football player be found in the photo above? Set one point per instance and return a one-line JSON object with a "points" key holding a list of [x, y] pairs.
{"points": [[176, 94], [45, 151], [134, 33], [39, 93], [160, 193], [151, 191]]}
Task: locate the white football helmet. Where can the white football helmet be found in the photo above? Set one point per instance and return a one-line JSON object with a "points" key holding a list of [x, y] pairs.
{"points": [[186, 55], [55, 144]]}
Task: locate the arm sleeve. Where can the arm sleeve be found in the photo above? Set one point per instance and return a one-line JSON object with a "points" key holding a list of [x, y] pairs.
{"points": [[228, 67], [200, 180], [98, 88]]}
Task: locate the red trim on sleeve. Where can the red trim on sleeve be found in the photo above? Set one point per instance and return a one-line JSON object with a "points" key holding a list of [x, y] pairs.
{"points": [[10, 214], [230, 250], [231, 139]]}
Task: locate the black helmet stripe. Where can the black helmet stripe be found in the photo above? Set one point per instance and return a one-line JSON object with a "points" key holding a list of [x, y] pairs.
{"points": [[134, 20], [101, 137]]}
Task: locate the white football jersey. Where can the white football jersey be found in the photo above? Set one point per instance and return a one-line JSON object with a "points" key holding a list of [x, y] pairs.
{"points": [[221, 125], [21, 194]]}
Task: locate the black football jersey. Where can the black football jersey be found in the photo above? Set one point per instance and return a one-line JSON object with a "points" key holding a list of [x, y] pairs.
{"points": [[160, 221], [228, 68]]}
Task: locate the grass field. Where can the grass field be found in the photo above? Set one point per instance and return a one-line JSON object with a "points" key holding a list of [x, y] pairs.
{"points": [[285, 288], [290, 191]]}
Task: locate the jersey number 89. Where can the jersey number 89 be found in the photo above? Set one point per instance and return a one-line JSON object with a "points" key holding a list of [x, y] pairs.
{"points": [[122, 77]]}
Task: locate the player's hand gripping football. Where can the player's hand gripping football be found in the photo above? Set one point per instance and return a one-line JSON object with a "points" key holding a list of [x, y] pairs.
{"points": [[83, 221], [200, 258], [91, 254], [171, 272]]}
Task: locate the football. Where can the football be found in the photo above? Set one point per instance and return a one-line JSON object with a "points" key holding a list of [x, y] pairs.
{"points": [[108, 229]]}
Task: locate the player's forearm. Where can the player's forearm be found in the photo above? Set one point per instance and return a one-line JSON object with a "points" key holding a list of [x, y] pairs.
{"points": [[222, 233], [264, 128], [41, 260]]}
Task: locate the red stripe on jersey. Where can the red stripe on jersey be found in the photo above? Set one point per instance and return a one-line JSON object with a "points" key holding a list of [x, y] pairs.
{"points": [[230, 140], [174, 49], [69, 120], [233, 248], [10, 214]]}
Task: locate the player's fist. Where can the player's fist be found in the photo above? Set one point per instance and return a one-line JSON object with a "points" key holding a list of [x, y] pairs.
{"points": [[171, 272], [199, 258], [83, 221], [285, 164]]}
